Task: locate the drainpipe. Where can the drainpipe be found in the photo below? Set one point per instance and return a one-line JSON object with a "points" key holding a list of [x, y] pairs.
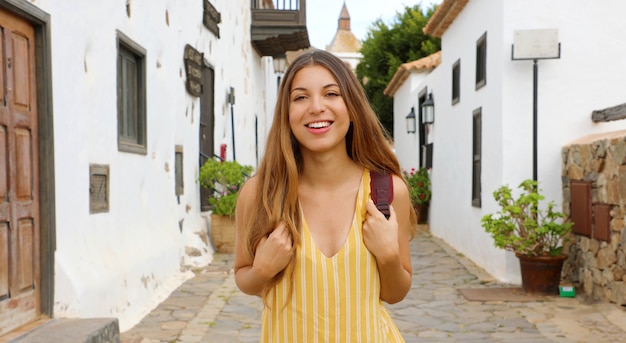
{"points": [[231, 101]]}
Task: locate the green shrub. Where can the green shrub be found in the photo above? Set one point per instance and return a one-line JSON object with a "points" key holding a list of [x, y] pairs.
{"points": [[223, 179], [522, 227]]}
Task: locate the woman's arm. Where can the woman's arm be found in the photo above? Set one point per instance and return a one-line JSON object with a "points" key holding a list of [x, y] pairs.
{"points": [[273, 253], [388, 241]]}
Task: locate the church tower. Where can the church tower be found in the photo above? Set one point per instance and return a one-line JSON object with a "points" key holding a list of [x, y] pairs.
{"points": [[345, 45]]}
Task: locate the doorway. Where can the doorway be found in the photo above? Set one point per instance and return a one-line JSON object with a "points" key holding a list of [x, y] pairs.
{"points": [[27, 230], [19, 193]]}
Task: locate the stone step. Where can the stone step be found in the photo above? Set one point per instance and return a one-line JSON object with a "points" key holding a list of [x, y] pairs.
{"points": [[94, 330]]}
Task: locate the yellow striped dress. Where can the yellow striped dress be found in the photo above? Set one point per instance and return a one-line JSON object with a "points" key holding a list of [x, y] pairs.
{"points": [[334, 299]]}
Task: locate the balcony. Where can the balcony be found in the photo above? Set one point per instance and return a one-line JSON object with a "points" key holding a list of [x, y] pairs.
{"points": [[279, 26]]}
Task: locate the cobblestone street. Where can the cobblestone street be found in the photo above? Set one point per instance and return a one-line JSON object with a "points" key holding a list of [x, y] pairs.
{"points": [[210, 308]]}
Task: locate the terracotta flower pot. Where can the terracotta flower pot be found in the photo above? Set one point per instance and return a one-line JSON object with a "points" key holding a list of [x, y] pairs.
{"points": [[422, 213], [541, 274], [223, 232]]}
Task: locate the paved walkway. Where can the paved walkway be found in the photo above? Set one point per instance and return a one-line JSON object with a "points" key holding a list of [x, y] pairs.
{"points": [[210, 308]]}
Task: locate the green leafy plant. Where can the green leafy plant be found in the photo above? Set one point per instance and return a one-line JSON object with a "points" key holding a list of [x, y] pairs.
{"points": [[223, 179], [419, 186], [522, 227]]}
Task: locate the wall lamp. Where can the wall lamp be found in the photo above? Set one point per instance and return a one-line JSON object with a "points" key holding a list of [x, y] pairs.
{"points": [[280, 63], [410, 121], [428, 108]]}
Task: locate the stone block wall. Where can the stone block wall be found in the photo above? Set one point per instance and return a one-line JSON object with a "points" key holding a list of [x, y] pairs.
{"points": [[598, 268]]}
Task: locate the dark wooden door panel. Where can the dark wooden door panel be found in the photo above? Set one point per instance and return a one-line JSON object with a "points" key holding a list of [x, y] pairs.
{"points": [[25, 280], [2, 72], [4, 181], [4, 261], [21, 72], [23, 165]]}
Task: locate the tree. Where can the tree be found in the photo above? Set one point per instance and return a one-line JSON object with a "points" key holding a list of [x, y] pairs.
{"points": [[385, 48]]}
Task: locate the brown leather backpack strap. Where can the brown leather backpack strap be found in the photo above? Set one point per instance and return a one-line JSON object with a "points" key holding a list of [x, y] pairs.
{"points": [[381, 185]]}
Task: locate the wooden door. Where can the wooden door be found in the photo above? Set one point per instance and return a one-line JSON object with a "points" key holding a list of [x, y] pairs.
{"points": [[19, 181], [207, 125]]}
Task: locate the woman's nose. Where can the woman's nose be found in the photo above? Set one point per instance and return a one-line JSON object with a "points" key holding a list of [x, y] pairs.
{"points": [[317, 105]]}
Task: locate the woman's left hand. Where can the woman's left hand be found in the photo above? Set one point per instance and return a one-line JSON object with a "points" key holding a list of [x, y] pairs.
{"points": [[380, 235]]}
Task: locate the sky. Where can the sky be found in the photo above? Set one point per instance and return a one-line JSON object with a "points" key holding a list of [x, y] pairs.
{"points": [[322, 16]]}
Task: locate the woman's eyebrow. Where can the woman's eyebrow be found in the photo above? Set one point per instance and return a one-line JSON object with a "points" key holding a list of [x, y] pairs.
{"points": [[297, 89], [324, 87]]}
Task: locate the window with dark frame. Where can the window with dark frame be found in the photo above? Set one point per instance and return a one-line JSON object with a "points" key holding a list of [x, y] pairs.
{"points": [[178, 170], [131, 96], [476, 157], [456, 82], [481, 61], [428, 155]]}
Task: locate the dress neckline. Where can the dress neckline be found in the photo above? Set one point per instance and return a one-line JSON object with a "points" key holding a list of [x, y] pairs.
{"points": [[341, 250]]}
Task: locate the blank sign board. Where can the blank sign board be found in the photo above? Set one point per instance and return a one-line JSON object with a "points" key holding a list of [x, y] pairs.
{"points": [[536, 44]]}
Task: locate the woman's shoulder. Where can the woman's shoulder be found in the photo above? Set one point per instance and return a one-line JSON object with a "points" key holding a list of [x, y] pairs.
{"points": [[248, 190], [399, 186]]}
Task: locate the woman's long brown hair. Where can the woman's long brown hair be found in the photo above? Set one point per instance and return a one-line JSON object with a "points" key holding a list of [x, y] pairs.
{"points": [[276, 197]]}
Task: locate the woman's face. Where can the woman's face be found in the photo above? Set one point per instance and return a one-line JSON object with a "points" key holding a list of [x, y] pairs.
{"points": [[318, 116]]}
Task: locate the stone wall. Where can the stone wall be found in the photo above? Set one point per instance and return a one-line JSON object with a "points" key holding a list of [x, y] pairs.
{"points": [[598, 268]]}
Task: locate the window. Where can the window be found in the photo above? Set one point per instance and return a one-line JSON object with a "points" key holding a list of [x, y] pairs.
{"points": [[131, 96], [481, 61], [477, 156], [427, 152], [178, 170], [456, 82]]}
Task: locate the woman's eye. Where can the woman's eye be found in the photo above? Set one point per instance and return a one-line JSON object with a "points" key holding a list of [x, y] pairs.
{"points": [[332, 94], [299, 97]]}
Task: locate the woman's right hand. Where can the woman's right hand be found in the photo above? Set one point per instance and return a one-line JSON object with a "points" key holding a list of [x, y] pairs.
{"points": [[274, 252]]}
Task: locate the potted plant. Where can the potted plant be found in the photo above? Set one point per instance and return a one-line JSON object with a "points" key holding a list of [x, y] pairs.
{"points": [[419, 191], [536, 235], [223, 179]]}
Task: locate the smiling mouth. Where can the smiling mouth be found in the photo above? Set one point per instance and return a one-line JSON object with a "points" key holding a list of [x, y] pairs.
{"points": [[319, 125]]}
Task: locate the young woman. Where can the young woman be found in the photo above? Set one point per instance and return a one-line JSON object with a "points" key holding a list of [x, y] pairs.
{"points": [[310, 241]]}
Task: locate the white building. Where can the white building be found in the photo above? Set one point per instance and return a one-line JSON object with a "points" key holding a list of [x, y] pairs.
{"points": [[107, 112], [482, 134]]}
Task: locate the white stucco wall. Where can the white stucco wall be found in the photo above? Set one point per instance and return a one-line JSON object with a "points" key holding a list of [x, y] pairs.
{"points": [[587, 77], [124, 262], [452, 216]]}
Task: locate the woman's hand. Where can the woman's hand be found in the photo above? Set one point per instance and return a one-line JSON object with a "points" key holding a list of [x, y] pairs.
{"points": [[273, 253], [379, 234], [388, 241]]}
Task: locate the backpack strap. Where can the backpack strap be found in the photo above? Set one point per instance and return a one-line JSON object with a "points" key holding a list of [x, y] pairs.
{"points": [[381, 186]]}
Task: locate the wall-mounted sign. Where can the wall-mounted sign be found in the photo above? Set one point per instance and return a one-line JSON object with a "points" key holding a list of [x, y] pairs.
{"points": [[211, 17], [193, 68], [536, 44], [98, 188]]}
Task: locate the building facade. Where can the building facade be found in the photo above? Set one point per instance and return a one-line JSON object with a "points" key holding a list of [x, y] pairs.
{"points": [[482, 134], [108, 112]]}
